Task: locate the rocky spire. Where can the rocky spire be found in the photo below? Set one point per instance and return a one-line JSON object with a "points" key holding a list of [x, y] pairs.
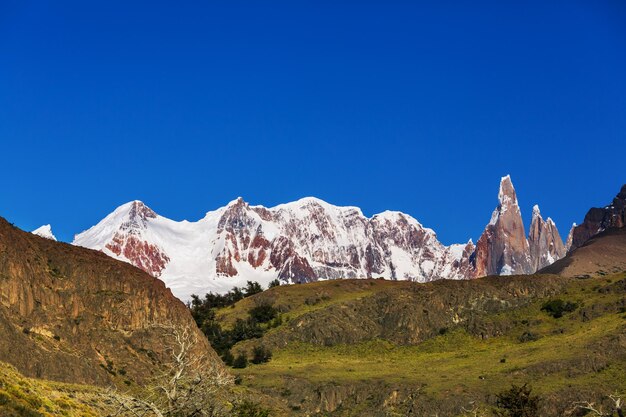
{"points": [[545, 243], [570, 237], [502, 248]]}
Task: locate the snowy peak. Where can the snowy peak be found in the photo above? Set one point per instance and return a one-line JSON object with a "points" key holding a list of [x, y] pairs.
{"points": [[506, 195], [44, 231], [507, 201], [305, 240], [125, 234]]}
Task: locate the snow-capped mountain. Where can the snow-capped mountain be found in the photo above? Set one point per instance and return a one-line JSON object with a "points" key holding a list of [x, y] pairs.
{"points": [[303, 241], [44, 231]]}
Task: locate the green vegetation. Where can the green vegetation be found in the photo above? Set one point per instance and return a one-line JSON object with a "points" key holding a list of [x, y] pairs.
{"points": [[249, 409], [261, 354], [240, 362], [222, 340], [556, 308], [574, 348], [25, 397], [517, 401]]}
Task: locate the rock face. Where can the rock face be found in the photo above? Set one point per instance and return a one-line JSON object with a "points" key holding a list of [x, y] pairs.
{"points": [[599, 219], [73, 314], [502, 248], [544, 241], [570, 238], [309, 240]]}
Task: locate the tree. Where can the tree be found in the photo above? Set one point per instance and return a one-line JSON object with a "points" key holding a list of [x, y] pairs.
{"points": [[244, 330], [274, 283], [241, 361], [252, 288], [517, 402], [260, 354], [189, 384], [263, 313], [556, 308]]}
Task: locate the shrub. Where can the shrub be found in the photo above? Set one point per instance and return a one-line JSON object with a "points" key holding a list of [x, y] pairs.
{"points": [[261, 355], [244, 330], [274, 283], [263, 313], [252, 288], [517, 402], [528, 337], [557, 307], [240, 361], [228, 358], [249, 409]]}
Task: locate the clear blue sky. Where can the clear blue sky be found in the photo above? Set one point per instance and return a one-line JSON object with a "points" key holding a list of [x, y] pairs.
{"points": [[384, 105]]}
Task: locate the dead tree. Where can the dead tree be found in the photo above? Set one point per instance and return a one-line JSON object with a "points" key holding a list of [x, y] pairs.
{"points": [[616, 407], [474, 410], [189, 385]]}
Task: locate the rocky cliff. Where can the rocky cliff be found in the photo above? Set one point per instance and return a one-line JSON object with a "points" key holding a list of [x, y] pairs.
{"points": [[599, 219], [502, 248], [545, 243], [73, 314]]}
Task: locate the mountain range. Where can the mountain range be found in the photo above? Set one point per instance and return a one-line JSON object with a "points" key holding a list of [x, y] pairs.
{"points": [[310, 240]]}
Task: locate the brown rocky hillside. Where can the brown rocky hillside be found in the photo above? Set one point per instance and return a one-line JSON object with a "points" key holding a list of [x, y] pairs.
{"points": [[603, 254], [76, 315]]}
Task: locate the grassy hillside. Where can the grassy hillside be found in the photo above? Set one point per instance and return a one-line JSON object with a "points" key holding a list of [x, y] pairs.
{"points": [[21, 396], [467, 357]]}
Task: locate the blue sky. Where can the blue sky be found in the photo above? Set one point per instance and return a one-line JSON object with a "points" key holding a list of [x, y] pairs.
{"points": [[406, 106]]}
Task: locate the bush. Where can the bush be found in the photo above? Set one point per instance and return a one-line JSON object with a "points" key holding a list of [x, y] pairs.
{"points": [[556, 308], [249, 409], [244, 330], [228, 358], [517, 402], [261, 355], [252, 288], [263, 313], [274, 283], [528, 337], [240, 361]]}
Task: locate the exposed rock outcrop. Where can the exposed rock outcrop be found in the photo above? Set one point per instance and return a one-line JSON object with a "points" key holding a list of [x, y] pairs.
{"points": [[600, 219], [73, 314], [570, 238]]}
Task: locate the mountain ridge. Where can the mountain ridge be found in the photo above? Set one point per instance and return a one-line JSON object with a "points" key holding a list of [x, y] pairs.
{"points": [[309, 240]]}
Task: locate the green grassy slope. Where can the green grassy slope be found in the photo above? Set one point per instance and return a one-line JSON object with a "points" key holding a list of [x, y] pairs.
{"points": [[21, 396], [579, 356]]}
